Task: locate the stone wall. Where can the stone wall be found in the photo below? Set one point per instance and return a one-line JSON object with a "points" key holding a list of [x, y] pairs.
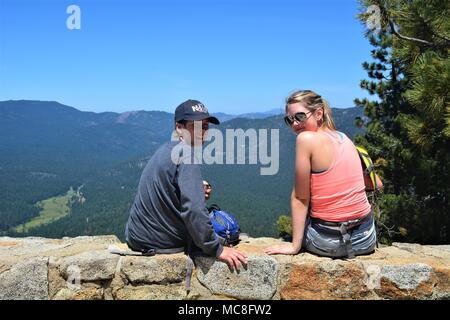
{"points": [[84, 268]]}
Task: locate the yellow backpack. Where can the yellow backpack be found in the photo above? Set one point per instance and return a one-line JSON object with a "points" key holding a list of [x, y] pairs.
{"points": [[372, 187], [368, 169]]}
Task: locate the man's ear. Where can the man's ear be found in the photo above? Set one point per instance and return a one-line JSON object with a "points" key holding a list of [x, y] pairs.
{"points": [[179, 128]]}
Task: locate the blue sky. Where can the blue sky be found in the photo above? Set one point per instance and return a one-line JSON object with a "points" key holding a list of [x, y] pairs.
{"points": [[235, 56]]}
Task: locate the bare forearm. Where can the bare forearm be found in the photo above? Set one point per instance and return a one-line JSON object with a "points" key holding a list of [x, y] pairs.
{"points": [[379, 183], [299, 209]]}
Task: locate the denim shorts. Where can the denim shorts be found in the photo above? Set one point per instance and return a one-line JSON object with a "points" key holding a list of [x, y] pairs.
{"points": [[324, 241]]}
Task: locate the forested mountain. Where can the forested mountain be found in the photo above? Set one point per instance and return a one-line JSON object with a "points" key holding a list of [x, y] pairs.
{"points": [[47, 147]]}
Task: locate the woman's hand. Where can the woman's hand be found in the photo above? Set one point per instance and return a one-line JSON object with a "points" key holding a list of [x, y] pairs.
{"points": [[285, 248]]}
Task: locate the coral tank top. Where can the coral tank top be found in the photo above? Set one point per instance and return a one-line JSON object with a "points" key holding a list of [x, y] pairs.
{"points": [[338, 193]]}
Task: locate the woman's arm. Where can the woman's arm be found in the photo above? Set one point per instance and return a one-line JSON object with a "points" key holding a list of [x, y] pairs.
{"points": [[369, 184], [379, 183], [300, 195], [299, 211]]}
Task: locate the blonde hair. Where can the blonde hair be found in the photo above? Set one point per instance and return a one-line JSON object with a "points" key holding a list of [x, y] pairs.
{"points": [[312, 101]]}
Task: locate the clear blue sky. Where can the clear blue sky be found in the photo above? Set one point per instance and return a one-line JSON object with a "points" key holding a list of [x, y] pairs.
{"points": [[236, 56]]}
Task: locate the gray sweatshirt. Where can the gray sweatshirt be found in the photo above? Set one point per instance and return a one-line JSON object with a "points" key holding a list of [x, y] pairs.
{"points": [[169, 213]]}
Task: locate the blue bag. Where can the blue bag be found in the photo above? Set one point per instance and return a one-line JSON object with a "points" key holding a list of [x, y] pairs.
{"points": [[225, 226]]}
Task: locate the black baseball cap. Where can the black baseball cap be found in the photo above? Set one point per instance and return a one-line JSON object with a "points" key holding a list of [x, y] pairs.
{"points": [[194, 110]]}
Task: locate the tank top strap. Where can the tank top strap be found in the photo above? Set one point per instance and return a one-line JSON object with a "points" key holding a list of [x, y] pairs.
{"points": [[336, 136], [337, 141]]}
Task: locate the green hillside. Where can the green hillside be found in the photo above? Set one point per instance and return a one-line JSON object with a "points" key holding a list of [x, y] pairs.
{"points": [[51, 210]]}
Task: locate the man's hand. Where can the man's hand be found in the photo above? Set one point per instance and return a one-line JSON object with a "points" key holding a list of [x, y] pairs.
{"points": [[285, 248], [233, 257]]}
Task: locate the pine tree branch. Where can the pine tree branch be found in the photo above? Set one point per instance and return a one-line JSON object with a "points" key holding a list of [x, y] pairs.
{"points": [[399, 35], [431, 29], [442, 37], [387, 19]]}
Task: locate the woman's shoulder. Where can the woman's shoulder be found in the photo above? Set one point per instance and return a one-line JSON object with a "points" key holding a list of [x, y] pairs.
{"points": [[307, 135], [314, 137], [306, 138], [309, 142]]}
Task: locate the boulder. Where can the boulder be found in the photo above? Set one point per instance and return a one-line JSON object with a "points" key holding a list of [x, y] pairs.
{"points": [[26, 280], [257, 281], [159, 269]]}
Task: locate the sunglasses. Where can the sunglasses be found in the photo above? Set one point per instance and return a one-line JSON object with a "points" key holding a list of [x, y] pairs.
{"points": [[299, 116]]}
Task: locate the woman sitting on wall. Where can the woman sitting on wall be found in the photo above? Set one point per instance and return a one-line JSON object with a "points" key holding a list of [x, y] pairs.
{"points": [[331, 215]]}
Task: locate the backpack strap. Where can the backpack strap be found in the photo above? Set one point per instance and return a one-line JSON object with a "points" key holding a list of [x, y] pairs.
{"points": [[213, 207], [369, 169], [347, 241], [189, 270], [368, 165]]}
